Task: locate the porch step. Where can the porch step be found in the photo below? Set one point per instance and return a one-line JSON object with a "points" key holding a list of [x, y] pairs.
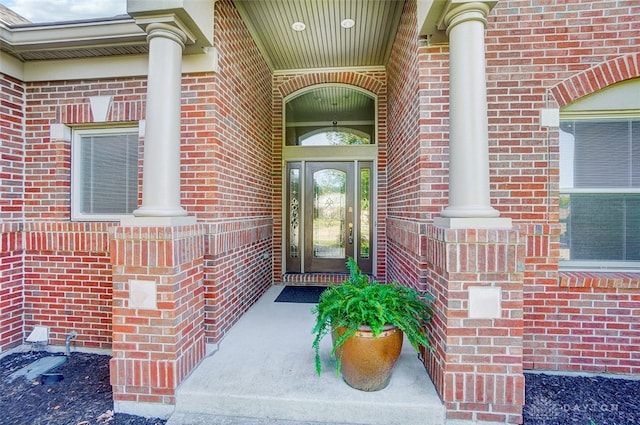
{"points": [[201, 419], [264, 369]]}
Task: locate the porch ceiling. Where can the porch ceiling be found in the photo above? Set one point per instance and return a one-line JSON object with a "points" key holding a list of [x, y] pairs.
{"points": [[324, 43]]}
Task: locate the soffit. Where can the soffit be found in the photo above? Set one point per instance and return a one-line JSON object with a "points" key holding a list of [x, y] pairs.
{"points": [[324, 43], [119, 35], [77, 39]]}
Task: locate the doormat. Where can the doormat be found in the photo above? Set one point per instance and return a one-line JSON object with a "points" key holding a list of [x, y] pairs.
{"points": [[300, 294]]}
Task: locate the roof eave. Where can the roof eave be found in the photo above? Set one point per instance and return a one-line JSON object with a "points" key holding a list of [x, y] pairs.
{"points": [[85, 35]]}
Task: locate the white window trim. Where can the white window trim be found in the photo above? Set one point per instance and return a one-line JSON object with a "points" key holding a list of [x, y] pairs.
{"points": [[76, 215]]}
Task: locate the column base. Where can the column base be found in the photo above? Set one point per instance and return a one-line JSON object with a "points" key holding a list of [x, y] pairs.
{"points": [[158, 221], [160, 212], [470, 211], [473, 222]]}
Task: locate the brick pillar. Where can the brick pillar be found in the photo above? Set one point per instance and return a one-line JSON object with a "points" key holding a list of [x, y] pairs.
{"points": [[11, 287], [158, 314], [477, 328]]}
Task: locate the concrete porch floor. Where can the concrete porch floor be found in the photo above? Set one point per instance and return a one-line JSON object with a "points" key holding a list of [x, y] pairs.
{"points": [[263, 372]]}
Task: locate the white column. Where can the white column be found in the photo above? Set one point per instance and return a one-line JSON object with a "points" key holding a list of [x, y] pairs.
{"points": [[161, 162], [469, 200]]}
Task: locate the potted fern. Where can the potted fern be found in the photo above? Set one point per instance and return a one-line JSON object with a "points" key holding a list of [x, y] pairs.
{"points": [[367, 321]]}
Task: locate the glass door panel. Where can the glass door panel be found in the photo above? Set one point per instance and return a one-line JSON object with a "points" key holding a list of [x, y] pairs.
{"points": [[329, 216], [365, 226], [329, 206], [294, 217]]}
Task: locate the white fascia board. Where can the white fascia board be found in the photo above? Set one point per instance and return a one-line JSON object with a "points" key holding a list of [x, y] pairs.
{"points": [[12, 66], [110, 67], [86, 68], [84, 34]]}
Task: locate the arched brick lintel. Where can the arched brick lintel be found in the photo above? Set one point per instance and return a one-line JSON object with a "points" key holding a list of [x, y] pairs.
{"points": [[358, 79], [593, 79]]}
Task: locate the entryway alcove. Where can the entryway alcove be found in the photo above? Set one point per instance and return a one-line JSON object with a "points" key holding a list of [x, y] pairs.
{"points": [[330, 179]]}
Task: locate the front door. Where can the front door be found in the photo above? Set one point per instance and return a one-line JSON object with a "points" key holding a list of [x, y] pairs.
{"points": [[328, 216]]}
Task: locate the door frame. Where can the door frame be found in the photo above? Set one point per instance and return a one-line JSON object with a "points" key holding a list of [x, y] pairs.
{"points": [[363, 155]]}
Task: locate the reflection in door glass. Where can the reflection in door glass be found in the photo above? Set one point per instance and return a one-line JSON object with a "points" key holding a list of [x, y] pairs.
{"points": [[329, 200], [365, 210]]}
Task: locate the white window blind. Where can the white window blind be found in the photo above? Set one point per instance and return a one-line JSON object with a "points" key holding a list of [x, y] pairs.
{"points": [[106, 177], [600, 190]]}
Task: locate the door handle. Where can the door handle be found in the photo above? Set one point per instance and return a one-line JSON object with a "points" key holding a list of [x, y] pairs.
{"points": [[350, 233]]}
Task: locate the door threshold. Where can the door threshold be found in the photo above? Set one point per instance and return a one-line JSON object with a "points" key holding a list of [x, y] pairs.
{"points": [[320, 279]]}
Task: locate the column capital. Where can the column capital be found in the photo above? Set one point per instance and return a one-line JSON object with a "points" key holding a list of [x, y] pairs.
{"points": [[458, 11], [193, 17], [172, 32]]}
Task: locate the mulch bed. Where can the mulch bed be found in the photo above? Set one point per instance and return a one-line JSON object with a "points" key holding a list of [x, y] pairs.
{"points": [[84, 397], [585, 400]]}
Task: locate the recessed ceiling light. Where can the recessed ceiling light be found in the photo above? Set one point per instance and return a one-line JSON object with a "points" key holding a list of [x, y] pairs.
{"points": [[347, 23], [298, 26]]}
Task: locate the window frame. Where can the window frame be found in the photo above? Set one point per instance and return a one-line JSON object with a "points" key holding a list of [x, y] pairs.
{"points": [[597, 265], [76, 169], [335, 121]]}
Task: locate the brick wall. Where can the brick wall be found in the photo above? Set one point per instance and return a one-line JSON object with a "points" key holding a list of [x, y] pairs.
{"points": [[226, 118], [231, 172], [227, 128], [239, 272], [11, 148], [539, 54], [11, 204], [11, 286], [407, 165], [67, 282], [578, 321], [48, 161], [284, 85], [67, 279], [407, 168], [547, 55]]}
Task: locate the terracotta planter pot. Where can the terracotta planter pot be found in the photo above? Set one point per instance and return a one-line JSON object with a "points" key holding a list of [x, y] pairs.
{"points": [[367, 362]]}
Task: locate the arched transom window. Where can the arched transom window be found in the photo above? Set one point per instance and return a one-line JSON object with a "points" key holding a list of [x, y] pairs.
{"points": [[333, 115]]}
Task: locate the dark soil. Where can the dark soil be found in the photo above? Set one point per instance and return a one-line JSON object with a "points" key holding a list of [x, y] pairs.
{"points": [[584, 400], [83, 397]]}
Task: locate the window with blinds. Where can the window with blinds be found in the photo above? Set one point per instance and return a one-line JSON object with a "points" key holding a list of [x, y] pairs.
{"points": [[600, 192], [105, 177]]}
